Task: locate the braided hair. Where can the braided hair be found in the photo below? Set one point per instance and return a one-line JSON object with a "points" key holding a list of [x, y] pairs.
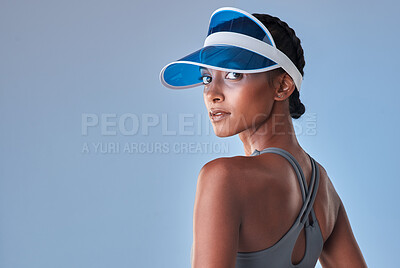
{"points": [[286, 41]]}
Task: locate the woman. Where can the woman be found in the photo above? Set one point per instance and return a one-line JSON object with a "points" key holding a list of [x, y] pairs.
{"points": [[275, 206]]}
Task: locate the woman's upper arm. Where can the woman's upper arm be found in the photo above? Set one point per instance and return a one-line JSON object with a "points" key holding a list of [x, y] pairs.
{"points": [[216, 217], [341, 248]]}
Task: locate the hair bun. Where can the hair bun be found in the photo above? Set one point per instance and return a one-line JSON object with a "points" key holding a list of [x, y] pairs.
{"points": [[286, 41]]}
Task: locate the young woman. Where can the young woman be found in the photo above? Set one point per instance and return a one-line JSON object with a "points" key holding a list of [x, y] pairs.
{"points": [[275, 206]]}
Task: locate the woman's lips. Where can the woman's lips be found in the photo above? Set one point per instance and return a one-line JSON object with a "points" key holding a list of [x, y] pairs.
{"points": [[218, 114]]}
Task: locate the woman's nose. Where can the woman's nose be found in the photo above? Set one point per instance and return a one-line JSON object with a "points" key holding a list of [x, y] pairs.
{"points": [[214, 90], [213, 93]]}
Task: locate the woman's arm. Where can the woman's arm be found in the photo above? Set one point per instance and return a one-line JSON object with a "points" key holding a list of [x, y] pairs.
{"points": [[216, 217], [341, 248]]}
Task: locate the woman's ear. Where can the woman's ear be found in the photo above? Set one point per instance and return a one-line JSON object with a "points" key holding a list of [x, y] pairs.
{"points": [[284, 87]]}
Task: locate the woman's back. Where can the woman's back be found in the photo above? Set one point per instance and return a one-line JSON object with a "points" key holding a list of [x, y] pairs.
{"points": [[270, 202]]}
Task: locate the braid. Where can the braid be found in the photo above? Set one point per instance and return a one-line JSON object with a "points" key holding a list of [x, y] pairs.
{"points": [[286, 41]]}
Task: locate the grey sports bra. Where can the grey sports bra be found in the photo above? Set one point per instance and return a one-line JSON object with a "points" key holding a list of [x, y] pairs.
{"points": [[279, 255]]}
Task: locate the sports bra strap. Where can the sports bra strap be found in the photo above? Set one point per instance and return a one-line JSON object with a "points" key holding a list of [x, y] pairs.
{"points": [[303, 215], [298, 171], [314, 182], [314, 191]]}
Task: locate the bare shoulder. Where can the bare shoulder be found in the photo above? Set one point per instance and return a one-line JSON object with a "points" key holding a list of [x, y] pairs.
{"points": [[327, 203], [223, 172], [215, 180], [234, 179], [217, 168], [237, 169]]}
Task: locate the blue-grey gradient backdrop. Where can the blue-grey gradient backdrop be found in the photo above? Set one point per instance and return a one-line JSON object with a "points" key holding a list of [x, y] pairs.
{"points": [[85, 73]]}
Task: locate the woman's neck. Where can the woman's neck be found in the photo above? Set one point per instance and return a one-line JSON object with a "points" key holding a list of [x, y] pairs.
{"points": [[276, 131]]}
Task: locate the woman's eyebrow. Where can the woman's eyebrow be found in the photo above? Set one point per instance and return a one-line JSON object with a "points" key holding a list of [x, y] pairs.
{"points": [[203, 70]]}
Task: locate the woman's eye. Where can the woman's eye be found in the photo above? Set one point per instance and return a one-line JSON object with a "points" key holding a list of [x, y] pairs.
{"points": [[233, 75], [206, 79]]}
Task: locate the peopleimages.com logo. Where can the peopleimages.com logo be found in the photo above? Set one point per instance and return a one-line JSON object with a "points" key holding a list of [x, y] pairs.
{"points": [[165, 126]]}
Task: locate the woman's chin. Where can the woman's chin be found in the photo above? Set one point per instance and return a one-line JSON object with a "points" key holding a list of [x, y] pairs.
{"points": [[222, 132]]}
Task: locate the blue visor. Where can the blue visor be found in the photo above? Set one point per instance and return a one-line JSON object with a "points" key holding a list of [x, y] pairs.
{"points": [[236, 42], [238, 22], [186, 71]]}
